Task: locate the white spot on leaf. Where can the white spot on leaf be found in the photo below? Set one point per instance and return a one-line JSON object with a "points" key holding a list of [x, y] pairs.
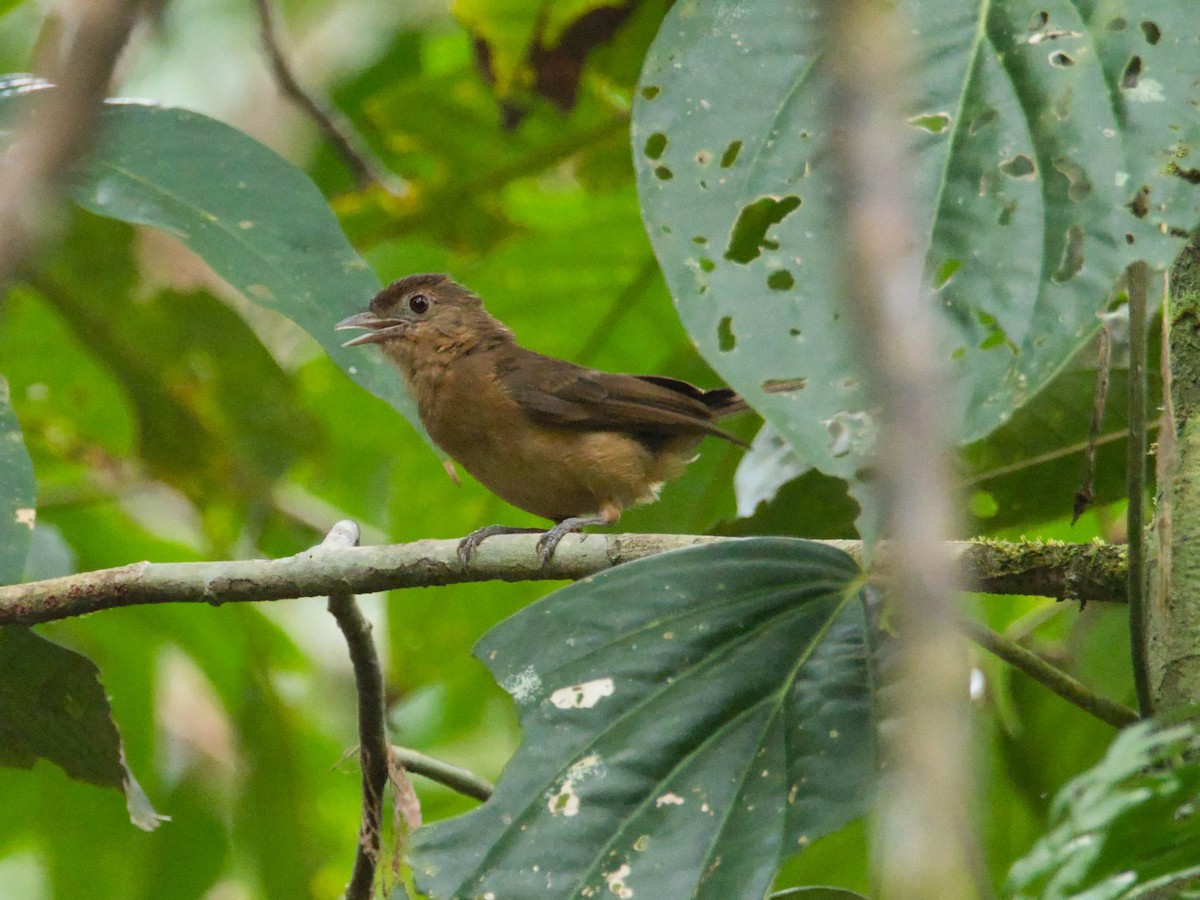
{"points": [[1147, 90], [616, 882], [668, 799], [26, 516], [524, 685], [584, 695]]}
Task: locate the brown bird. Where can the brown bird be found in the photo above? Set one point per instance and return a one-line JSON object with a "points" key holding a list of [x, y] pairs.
{"points": [[558, 440]]}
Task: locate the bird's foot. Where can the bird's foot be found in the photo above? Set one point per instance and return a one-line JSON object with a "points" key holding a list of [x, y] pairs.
{"points": [[471, 542], [549, 541]]}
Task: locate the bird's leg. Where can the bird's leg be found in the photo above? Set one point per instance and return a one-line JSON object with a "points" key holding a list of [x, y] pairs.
{"points": [[471, 542], [549, 541]]}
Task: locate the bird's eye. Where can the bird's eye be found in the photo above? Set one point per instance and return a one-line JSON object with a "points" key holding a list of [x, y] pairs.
{"points": [[419, 304]]}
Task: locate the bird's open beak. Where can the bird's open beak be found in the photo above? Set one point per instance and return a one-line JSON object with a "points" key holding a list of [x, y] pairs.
{"points": [[378, 330]]}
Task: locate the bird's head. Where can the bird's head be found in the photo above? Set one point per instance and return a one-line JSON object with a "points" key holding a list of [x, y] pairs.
{"points": [[428, 311]]}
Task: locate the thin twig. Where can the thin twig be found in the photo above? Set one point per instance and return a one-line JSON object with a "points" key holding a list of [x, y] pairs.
{"points": [[1092, 572], [346, 140], [57, 127], [457, 779], [1138, 277], [1058, 681], [1086, 491], [372, 728]]}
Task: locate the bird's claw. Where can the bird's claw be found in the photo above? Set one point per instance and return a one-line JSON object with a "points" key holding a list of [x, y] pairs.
{"points": [[468, 545], [547, 544]]}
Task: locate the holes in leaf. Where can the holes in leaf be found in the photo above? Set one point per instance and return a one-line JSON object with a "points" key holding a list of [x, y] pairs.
{"points": [[781, 280], [958, 353], [662, 173], [1191, 176], [1151, 32], [1139, 204], [1061, 60], [650, 91], [934, 123], [729, 157], [1117, 24], [702, 157], [1007, 211], [1020, 166], [986, 117], [749, 237], [725, 339], [995, 336], [784, 385], [794, 332], [655, 145], [700, 239], [1079, 186], [944, 272], [1040, 20], [706, 264], [1072, 258], [1062, 104], [1133, 73]]}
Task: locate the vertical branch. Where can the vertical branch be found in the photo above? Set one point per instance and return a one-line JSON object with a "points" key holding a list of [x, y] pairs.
{"points": [[1172, 617], [1137, 275], [372, 730], [924, 840], [57, 127]]}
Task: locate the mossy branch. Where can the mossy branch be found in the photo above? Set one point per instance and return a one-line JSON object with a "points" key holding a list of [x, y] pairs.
{"points": [[1080, 572]]}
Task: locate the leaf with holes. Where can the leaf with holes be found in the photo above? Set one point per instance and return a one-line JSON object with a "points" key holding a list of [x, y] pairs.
{"points": [[1021, 130], [16, 493], [689, 720], [257, 220]]}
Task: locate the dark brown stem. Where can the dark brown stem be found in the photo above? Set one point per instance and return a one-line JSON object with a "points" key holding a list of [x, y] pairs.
{"points": [[346, 141], [372, 728], [1086, 491]]}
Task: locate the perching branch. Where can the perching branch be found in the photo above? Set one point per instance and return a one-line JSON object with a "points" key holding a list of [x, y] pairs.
{"points": [[346, 141], [1039, 670], [372, 728], [1081, 572]]}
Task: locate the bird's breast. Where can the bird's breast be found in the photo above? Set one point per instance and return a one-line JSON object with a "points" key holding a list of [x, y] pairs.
{"points": [[553, 472]]}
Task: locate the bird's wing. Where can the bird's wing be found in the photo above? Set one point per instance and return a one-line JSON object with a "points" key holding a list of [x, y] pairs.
{"points": [[555, 392]]}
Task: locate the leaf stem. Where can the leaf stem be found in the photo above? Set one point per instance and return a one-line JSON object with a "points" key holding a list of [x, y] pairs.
{"points": [[1056, 680]]}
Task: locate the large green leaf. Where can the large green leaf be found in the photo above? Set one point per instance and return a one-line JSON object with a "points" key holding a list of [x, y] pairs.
{"points": [[1021, 143], [689, 720], [53, 707], [256, 219], [1127, 828], [16, 493]]}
